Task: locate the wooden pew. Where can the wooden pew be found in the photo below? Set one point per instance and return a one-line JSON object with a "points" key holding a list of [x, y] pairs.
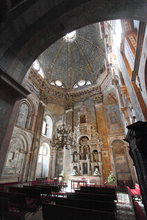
{"points": [[12, 206], [16, 200], [87, 204], [91, 196], [45, 191], [55, 190], [59, 212], [99, 190], [33, 197], [31, 193], [9, 213]]}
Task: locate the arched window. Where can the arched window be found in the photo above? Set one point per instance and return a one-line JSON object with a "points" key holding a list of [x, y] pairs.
{"points": [[47, 126], [36, 66], [43, 161], [23, 115]]}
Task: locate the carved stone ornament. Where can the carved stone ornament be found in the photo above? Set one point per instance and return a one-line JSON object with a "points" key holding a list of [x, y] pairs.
{"points": [[50, 93]]}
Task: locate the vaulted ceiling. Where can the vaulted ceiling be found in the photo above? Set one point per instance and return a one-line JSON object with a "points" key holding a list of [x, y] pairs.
{"points": [[71, 60]]}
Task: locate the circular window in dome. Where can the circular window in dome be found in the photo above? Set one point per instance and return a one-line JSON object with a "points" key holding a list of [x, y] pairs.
{"points": [[36, 65], [58, 83], [70, 37], [81, 83], [88, 83], [52, 83]]}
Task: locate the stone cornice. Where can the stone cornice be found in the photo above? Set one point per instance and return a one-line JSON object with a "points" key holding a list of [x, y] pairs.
{"points": [[66, 98], [140, 40]]}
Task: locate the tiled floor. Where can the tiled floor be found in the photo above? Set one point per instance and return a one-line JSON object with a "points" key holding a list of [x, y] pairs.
{"points": [[35, 216], [125, 209]]}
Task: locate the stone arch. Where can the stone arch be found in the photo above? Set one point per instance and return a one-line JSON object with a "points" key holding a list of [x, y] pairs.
{"points": [[43, 162], [25, 118], [47, 126], [81, 136], [51, 23]]}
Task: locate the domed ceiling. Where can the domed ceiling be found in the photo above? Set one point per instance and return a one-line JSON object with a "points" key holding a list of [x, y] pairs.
{"points": [[78, 57]]}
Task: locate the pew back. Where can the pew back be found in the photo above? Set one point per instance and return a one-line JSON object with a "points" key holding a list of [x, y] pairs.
{"points": [[88, 204], [59, 212]]}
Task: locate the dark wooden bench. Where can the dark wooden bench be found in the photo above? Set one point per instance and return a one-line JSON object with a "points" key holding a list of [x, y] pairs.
{"points": [[45, 191], [9, 213], [33, 197], [16, 200], [53, 188], [88, 204], [60, 212], [91, 196], [103, 190]]}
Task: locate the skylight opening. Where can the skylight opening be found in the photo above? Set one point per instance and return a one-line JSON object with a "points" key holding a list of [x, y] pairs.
{"points": [[36, 65], [52, 83], [88, 83], [81, 83], [58, 83], [70, 37]]}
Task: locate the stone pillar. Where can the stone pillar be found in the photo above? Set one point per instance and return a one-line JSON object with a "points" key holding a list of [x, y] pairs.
{"points": [[67, 162], [10, 92], [52, 164], [69, 118], [137, 139], [102, 130], [36, 143]]}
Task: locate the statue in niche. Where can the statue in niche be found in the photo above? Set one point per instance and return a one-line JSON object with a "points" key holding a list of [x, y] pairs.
{"points": [[96, 171], [84, 152], [74, 171], [82, 119], [95, 156], [75, 156]]}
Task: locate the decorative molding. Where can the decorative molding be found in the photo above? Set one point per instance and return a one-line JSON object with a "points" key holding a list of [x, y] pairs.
{"points": [[66, 98], [141, 33]]}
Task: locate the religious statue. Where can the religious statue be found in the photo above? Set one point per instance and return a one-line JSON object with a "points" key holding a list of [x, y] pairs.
{"points": [[74, 172], [96, 172]]}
